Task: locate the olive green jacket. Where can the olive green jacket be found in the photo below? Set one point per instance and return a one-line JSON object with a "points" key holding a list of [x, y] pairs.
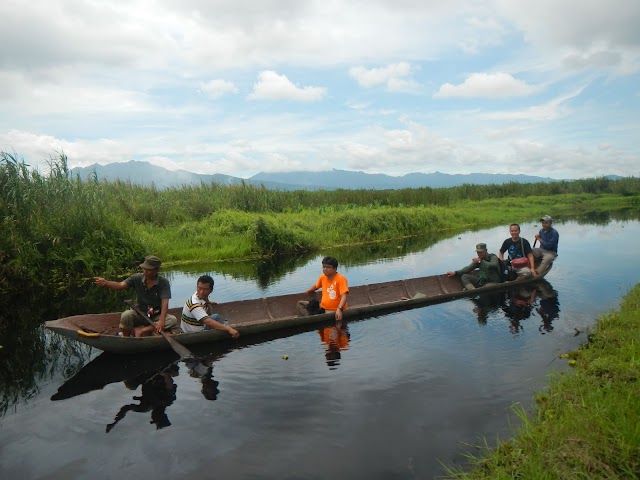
{"points": [[488, 270]]}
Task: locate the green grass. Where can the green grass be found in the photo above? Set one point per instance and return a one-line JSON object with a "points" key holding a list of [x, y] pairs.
{"points": [[586, 425], [229, 234]]}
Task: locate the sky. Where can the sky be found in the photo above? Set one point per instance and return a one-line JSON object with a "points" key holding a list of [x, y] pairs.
{"points": [[545, 87]]}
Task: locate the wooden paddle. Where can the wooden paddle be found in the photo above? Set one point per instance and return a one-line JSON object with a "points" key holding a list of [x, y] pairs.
{"points": [[180, 349]]}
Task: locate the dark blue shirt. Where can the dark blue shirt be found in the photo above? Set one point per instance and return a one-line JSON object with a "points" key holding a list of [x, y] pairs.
{"points": [[549, 239]]}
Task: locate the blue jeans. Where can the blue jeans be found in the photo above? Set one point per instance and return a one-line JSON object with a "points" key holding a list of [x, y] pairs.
{"points": [[213, 316]]}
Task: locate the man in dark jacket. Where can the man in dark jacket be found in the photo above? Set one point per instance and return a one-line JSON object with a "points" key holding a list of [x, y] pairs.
{"points": [[488, 266], [548, 251]]}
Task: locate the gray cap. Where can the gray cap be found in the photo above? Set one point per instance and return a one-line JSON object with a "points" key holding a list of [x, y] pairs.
{"points": [[151, 263], [481, 247], [546, 218]]}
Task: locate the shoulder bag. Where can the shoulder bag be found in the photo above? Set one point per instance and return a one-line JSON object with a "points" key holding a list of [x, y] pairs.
{"points": [[520, 262]]}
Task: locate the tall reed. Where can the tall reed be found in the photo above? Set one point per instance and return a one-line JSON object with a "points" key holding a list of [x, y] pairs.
{"points": [[57, 231]]}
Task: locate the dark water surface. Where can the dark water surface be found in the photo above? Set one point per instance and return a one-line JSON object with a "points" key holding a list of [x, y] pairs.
{"points": [[394, 398]]}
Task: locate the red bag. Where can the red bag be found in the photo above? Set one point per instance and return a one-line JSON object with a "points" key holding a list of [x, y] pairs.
{"points": [[520, 262]]}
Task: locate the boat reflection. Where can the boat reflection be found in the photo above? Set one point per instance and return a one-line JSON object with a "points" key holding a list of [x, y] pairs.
{"points": [[159, 389], [520, 304], [153, 373]]}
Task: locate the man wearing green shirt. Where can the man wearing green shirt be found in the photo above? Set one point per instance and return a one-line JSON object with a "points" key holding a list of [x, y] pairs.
{"points": [[488, 266], [153, 293]]}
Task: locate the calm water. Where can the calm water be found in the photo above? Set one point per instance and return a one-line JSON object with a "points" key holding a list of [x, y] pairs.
{"points": [[392, 399]]}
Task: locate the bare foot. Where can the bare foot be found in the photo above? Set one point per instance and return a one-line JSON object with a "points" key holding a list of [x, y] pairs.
{"points": [[141, 331]]}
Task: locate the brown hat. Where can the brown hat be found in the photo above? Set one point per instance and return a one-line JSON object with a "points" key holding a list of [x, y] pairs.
{"points": [[151, 263], [481, 247]]}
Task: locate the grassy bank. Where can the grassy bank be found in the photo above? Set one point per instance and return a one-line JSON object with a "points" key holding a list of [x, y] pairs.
{"points": [[232, 234], [586, 425]]}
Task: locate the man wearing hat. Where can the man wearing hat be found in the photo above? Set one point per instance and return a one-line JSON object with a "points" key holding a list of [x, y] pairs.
{"points": [[548, 251], [153, 293], [488, 266]]}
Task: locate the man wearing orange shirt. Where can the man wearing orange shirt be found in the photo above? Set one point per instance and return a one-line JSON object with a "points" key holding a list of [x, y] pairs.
{"points": [[334, 291]]}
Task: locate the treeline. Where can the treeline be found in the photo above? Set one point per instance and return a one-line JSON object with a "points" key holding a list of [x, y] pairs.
{"points": [[59, 231]]}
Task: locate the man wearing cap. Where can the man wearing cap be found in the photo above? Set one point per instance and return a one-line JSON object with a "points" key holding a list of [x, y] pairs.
{"points": [[153, 293], [548, 251], [488, 267]]}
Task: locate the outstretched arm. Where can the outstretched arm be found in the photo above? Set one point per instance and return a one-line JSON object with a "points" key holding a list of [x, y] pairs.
{"points": [[103, 282], [220, 326]]}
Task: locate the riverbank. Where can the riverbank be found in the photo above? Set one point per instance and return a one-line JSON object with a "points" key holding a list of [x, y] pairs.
{"points": [[586, 424], [237, 235]]}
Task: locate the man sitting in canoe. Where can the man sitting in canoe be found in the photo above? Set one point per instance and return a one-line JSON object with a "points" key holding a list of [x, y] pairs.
{"points": [[518, 248], [488, 266], [548, 251], [153, 293], [195, 316], [334, 291]]}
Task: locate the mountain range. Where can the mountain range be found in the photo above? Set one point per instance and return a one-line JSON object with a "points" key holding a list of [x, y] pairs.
{"points": [[144, 173]]}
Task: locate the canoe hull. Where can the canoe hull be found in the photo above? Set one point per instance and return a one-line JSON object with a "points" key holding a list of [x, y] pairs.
{"points": [[274, 313]]}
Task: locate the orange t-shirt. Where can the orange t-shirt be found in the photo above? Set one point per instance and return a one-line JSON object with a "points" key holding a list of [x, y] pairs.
{"points": [[332, 291]]}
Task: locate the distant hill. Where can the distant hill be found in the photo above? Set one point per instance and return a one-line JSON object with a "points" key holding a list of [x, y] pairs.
{"points": [[144, 173], [357, 180]]}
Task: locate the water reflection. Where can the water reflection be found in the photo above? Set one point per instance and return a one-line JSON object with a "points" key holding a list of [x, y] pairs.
{"points": [[549, 306], [30, 356], [519, 304], [269, 271], [158, 393], [604, 218], [336, 340], [486, 304]]}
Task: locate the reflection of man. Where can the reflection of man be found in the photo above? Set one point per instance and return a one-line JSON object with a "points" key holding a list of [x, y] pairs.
{"points": [[210, 387], [158, 392], [519, 307], [486, 304], [203, 369], [549, 308], [336, 338]]}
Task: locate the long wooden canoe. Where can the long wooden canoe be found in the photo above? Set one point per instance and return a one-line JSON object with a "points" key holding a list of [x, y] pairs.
{"points": [[278, 312]]}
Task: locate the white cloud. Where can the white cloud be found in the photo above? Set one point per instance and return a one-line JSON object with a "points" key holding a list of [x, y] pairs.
{"points": [[396, 77], [575, 23], [504, 133], [593, 59], [271, 86], [551, 110], [61, 92], [217, 88], [562, 162], [487, 85], [37, 149]]}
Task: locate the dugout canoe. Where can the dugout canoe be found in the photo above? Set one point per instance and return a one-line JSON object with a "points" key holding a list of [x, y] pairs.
{"points": [[274, 313]]}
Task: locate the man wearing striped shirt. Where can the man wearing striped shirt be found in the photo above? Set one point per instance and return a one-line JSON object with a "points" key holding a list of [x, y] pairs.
{"points": [[195, 317]]}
